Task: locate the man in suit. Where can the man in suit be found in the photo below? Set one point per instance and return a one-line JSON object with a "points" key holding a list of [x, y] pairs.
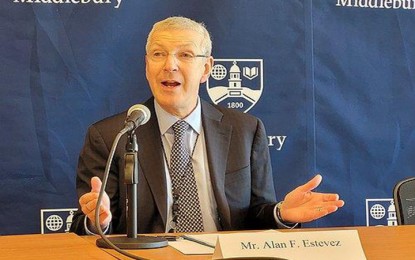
{"points": [[227, 152]]}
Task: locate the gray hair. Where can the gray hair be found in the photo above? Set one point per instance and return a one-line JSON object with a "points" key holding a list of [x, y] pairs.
{"points": [[183, 23]]}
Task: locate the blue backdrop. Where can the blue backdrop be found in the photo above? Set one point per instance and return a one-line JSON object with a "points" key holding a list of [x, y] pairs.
{"points": [[332, 80]]}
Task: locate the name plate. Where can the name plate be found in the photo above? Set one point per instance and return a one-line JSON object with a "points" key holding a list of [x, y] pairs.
{"points": [[339, 244]]}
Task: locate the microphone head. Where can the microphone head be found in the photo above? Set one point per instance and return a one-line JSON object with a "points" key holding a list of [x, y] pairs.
{"points": [[143, 109]]}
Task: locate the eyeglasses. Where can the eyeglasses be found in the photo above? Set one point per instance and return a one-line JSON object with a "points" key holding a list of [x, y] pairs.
{"points": [[182, 56]]}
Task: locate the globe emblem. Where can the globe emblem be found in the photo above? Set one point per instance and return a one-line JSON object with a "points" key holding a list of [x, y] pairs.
{"points": [[219, 72], [54, 222], [377, 211]]}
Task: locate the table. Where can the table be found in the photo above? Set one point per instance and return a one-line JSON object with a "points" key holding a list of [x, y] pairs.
{"points": [[50, 246], [378, 243]]}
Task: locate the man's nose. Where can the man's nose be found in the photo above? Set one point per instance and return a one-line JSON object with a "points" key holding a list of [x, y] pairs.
{"points": [[171, 62]]}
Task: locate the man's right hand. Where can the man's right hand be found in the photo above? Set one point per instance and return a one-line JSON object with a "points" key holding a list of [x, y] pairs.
{"points": [[88, 203]]}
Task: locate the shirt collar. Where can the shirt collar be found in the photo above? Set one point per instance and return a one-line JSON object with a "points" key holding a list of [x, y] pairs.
{"points": [[166, 120]]}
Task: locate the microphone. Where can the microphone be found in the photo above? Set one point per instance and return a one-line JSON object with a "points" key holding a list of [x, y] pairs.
{"points": [[137, 115]]}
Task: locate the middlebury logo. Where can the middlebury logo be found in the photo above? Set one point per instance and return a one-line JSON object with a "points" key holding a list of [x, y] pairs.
{"points": [[236, 83], [380, 212], [56, 220]]}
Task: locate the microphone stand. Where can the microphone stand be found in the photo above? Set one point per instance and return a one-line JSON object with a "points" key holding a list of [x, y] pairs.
{"points": [[132, 241]]}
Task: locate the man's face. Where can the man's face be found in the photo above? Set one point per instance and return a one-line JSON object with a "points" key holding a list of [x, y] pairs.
{"points": [[174, 78]]}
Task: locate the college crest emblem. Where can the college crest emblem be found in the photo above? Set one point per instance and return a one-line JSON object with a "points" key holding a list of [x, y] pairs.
{"points": [[380, 212], [236, 83], [56, 220]]}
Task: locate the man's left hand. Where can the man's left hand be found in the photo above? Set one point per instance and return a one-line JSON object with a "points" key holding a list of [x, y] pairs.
{"points": [[304, 205]]}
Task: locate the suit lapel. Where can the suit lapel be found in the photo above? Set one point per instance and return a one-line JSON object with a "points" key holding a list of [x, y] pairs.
{"points": [[152, 161], [218, 136]]}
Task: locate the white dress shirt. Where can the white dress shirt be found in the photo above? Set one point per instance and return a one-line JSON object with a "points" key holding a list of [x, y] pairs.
{"points": [[195, 143]]}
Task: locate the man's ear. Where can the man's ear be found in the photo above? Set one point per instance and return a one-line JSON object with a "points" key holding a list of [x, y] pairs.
{"points": [[146, 61], [208, 68]]}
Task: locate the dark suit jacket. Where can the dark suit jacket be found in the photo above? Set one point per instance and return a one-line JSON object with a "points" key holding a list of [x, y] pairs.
{"points": [[238, 159]]}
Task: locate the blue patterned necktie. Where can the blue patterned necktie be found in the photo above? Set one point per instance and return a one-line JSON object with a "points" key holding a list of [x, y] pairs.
{"points": [[189, 214]]}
